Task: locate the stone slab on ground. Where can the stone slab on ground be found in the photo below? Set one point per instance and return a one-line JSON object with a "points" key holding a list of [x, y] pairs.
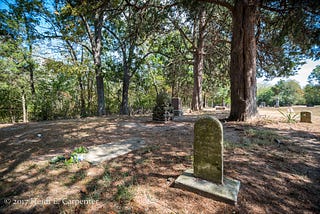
{"points": [[228, 192], [104, 152]]}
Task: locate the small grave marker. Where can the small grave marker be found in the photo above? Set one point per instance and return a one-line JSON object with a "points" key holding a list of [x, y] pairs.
{"points": [[305, 117]]}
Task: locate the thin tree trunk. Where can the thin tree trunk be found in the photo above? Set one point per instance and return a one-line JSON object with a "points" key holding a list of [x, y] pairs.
{"points": [[90, 90], [83, 111], [97, 47], [243, 62], [30, 63], [198, 64], [24, 108], [124, 108], [173, 89], [82, 100], [33, 90]]}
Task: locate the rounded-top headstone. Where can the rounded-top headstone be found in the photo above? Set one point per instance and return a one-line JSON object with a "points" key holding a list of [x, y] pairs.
{"points": [[208, 149]]}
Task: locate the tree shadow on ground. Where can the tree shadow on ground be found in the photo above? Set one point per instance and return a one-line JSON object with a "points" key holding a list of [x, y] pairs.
{"points": [[275, 178]]}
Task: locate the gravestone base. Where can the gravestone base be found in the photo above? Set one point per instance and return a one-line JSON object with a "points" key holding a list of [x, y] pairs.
{"points": [[228, 192], [177, 113]]}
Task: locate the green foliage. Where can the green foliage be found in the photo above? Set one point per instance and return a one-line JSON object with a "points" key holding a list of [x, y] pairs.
{"points": [[289, 93], [153, 43], [163, 99], [290, 116], [73, 159], [312, 94], [57, 159], [314, 77], [172, 69], [10, 110], [75, 156], [80, 150], [107, 178], [142, 92], [56, 94], [265, 94], [13, 79], [286, 37]]}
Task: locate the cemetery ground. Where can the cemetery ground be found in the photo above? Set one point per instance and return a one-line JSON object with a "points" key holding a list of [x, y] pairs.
{"points": [[278, 164]]}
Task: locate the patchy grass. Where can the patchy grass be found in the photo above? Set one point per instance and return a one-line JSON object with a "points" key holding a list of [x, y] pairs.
{"points": [[124, 194], [260, 137]]}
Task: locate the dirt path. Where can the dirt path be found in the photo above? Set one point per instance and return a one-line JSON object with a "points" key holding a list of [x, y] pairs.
{"points": [[277, 163]]}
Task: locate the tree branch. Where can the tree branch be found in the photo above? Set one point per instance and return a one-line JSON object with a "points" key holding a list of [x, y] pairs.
{"points": [[221, 3], [72, 51], [122, 46], [88, 49], [90, 34]]}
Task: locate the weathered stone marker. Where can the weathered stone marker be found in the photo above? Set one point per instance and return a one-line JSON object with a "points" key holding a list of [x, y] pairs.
{"points": [[206, 177], [208, 150], [177, 107], [305, 117]]}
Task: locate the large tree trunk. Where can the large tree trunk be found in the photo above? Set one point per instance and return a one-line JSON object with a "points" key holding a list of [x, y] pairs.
{"points": [[196, 103], [243, 62]]}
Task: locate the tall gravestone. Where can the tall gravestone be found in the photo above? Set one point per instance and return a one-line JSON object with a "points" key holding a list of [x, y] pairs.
{"points": [[177, 107], [206, 177], [208, 150]]}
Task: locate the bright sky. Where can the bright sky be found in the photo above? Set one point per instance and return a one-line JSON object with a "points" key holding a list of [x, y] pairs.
{"points": [[301, 77]]}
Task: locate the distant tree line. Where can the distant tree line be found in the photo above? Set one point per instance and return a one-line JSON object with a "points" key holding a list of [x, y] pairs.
{"points": [[290, 93]]}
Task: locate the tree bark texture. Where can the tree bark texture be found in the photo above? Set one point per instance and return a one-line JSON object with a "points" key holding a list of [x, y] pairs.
{"points": [[31, 74], [243, 61], [124, 107], [83, 111], [97, 47], [100, 90], [127, 74], [90, 91], [196, 103]]}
